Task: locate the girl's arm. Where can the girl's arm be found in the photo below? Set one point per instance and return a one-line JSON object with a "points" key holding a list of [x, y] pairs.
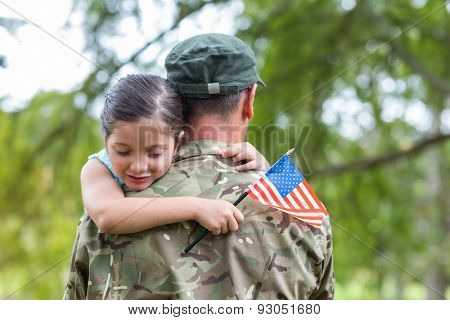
{"points": [[106, 204], [246, 152]]}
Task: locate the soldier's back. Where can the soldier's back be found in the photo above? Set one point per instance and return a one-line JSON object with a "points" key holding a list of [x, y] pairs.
{"points": [[271, 256]]}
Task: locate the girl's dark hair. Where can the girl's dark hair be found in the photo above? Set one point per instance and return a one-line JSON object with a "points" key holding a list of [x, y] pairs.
{"points": [[143, 96]]}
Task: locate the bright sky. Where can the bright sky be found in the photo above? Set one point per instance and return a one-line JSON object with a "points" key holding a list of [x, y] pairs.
{"points": [[36, 61]]}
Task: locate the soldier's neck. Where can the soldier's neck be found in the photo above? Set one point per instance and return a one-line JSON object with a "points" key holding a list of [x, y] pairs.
{"points": [[211, 128]]}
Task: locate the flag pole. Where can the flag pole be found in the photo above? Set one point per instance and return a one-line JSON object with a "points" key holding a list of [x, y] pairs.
{"points": [[206, 231], [290, 151]]}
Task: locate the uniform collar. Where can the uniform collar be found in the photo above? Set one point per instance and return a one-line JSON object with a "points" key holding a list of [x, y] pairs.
{"points": [[198, 148]]}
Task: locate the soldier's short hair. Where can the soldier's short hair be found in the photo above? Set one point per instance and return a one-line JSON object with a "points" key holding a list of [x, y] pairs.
{"points": [[221, 106]]}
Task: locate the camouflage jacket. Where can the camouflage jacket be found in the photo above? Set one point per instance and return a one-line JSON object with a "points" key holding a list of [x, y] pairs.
{"points": [[272, 256]]}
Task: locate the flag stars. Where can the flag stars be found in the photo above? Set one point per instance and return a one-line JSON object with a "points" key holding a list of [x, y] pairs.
{"points": [[284, 179]]}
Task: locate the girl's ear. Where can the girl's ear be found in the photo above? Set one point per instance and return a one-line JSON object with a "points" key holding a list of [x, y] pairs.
{"points": [[179, 141]]}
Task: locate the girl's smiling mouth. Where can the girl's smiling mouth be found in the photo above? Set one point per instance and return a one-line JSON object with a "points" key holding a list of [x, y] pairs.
{"points": [[142, 179]]}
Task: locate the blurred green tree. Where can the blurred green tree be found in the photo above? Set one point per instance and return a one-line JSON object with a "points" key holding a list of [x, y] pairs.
{"points": [[367, 81]]}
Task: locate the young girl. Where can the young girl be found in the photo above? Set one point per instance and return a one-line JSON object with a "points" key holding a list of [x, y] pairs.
{"points": [[142, 124]]}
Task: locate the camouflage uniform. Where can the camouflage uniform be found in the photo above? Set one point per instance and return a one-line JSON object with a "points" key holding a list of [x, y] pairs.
{"points": [[272, 256]]}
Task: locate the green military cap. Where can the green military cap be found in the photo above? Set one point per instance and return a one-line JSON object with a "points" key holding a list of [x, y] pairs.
{"points": [[211, 64]]}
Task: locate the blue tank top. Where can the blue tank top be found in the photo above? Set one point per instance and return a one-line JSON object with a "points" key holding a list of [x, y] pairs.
{"points": [[103, 157]]}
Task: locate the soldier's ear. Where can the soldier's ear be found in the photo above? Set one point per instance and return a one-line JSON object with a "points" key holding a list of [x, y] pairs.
{"points": [[249, 99]]}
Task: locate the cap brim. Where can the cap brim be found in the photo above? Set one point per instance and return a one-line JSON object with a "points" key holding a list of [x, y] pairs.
{"points": [[260, 82]]}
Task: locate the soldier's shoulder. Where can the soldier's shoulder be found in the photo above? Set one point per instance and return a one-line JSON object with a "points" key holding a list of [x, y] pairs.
{"points": [[208, 168]]}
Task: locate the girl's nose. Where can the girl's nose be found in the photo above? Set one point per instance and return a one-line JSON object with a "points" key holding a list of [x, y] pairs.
{"points": [[139, 164]]}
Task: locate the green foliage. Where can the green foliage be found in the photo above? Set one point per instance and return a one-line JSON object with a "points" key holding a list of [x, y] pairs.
{"points": [[47, 144], [313, 52], [335, 77]]}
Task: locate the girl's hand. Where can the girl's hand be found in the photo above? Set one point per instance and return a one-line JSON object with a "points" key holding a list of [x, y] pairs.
{"points": [[218, 216], [244, 151]]}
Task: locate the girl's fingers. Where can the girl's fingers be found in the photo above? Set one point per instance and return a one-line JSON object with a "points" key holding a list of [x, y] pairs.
{"points": [[216, 231], [242, 156], [233, 225], [231, 150], [238, 215], [224, 228], [247, 166]]}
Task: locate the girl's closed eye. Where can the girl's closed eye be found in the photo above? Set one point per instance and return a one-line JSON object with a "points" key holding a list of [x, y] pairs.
{"points": [[155, 154], [123, 152]]}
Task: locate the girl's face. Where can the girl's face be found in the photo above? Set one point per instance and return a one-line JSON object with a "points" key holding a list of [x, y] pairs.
{"points": [[140, 152]]}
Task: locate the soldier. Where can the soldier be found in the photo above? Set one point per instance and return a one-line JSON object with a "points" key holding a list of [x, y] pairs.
{"points": [[271, 256]]}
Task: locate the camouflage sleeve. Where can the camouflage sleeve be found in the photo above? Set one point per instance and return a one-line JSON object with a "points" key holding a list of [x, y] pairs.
{"points": [[325, 290], [326, 287], [77, 280]]}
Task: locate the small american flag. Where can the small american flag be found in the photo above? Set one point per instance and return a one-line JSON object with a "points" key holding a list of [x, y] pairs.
{"points": [[285, 188]]}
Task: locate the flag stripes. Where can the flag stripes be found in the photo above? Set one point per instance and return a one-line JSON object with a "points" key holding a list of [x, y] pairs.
{"points": [[299, 199]]}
